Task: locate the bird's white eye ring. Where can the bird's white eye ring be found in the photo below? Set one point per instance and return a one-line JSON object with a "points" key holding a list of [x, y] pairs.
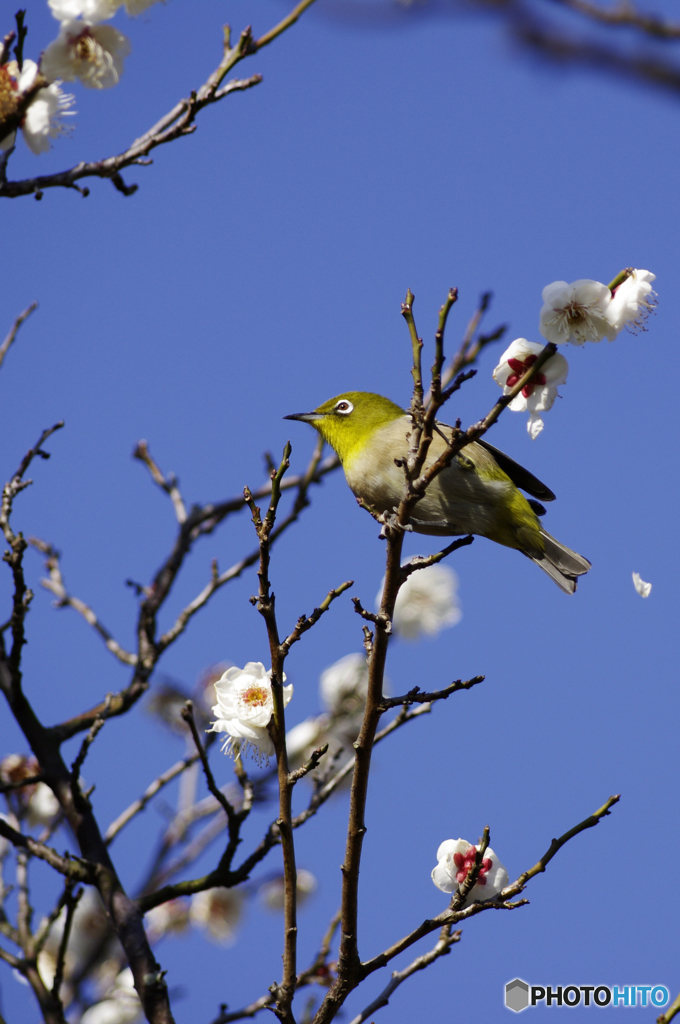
{"points": [[344, 407]]}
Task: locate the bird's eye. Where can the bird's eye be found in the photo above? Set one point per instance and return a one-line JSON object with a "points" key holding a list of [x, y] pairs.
{"points": [[344, 407]]}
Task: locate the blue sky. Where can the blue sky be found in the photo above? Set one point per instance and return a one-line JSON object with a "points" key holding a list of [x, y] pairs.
{"points": [[258, 271]]}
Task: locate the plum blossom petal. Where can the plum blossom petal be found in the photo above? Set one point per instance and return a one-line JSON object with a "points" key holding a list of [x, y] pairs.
{"points": [[643, 589], [43, 806], [272, 893], [346, 679], [42, 119], [219, 912], [303, 738], [121, 1006], [576, 312], [244, 708], [426, 603], [171, 917], [92, 53], [538, 396], [90, 11], [455, 857], [135, 7], [632, 301]]}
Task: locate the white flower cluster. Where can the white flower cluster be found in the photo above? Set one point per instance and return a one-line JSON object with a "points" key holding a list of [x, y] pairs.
{"points": [[572, 313], [84, 49]]}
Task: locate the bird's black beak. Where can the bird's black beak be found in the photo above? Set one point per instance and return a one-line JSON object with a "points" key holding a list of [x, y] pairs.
{"points": [[306, 417]]}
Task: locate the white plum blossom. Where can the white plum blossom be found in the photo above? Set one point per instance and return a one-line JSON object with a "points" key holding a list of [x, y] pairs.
{"points": [[455, 857], [90, 11], [94, 11], [244, 708], [42, 119], [218, 911], [632, 301], [135, 7], [43, 806], [426, 603], [643, 589], [121, 1006], [346, 679], [303, 738], [93, 53], [273, 891], [576, 312], [537, 396], [166, 918]]}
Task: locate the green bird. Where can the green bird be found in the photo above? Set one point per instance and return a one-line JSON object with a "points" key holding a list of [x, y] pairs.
{"points": [[478, 493]]}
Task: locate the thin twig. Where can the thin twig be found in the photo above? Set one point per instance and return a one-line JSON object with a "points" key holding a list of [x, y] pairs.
{"points": [[167, 484], [188, 716], [72, 867], [4, 348], [70, 902], [626, 16], [129, 813], [55, 584], [500, 902], [414, 696], [304, 623], [442, 948], [178, 122], [670, 1013], [78, 796]]}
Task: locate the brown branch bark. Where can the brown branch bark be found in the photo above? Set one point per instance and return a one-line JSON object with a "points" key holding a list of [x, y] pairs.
{"points": [[14, 329]]}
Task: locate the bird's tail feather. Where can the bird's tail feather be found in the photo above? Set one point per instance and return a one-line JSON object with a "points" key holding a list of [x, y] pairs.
{"points": [[563, 565]]}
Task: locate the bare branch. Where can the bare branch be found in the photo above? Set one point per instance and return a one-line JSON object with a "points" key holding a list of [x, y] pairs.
{"points": [[590, 822], [309, 765], [423, 561], [442, 948], [626, 16], [178, 122], [303, 623], [78, 796], [500, 902], [414, 696], [55, 584], [149, 793], [10, 676], [670, 1013], [188, 716], [76, 868], [4, 348], [69, 901], [283, 25], [167, 484]]}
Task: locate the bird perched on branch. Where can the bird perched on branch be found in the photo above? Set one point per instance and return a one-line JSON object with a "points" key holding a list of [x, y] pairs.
{"points": [[477, 493]]}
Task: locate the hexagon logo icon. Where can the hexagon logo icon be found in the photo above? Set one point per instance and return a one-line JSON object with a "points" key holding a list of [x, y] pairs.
{"points": [[517, 995]]}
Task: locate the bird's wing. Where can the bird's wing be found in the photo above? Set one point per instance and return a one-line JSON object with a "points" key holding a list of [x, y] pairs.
{"points": [[520, 476]]}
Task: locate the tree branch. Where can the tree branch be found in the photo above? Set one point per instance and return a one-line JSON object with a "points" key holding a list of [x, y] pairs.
{"points": [[176, 123], [55, 584], [13, 331], [442, 948]]}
